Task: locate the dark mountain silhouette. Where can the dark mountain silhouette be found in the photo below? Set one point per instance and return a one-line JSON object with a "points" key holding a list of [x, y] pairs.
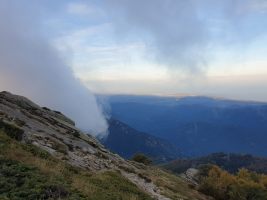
{"points": [[197, 125], [229, 162], [127, 142]]}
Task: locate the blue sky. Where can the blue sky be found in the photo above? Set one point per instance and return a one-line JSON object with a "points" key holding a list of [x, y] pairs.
{"points": [[163, 47]]}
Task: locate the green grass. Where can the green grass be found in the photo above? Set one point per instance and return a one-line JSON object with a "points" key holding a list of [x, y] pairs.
{"points": [[110, 185], [19, 181], [27, 172]]}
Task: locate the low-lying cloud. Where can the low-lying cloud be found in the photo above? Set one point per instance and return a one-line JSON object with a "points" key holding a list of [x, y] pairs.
{"points": [[30, 66]]}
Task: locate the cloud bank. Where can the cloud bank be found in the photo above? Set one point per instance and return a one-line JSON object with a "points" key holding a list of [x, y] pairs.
{"points": [[175, 36], [181, 33], [30, 66]]}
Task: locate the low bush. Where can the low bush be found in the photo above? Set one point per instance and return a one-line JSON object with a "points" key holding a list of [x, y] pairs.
{"points": [[36, 151], [141, 158], [244, 185], [12, 130]]}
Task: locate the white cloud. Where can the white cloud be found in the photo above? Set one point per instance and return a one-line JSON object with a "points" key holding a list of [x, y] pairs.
{"points": [[258, 5], [80, 9], [93, 49]]}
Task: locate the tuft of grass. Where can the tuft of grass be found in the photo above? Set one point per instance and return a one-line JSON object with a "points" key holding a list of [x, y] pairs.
{"points": [[109, 185], [35, 151], [60, 147]]}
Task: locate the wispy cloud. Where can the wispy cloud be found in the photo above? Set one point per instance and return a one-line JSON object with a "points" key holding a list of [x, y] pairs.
{"points": [[83, 9], [181, 34]]}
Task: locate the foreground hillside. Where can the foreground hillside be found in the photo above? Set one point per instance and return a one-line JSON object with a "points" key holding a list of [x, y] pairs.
{"points": [[28, 172], [44, 156], [198, 126]]}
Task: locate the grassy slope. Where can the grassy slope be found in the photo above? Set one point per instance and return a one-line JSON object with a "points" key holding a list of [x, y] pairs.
{"points": [[26, 172]]}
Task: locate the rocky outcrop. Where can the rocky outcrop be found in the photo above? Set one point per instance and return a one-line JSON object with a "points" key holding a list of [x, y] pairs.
{"points": [[57, 134], [191, 175]]}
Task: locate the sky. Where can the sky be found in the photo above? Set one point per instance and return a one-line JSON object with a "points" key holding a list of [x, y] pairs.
{"points": [[160, 47]]}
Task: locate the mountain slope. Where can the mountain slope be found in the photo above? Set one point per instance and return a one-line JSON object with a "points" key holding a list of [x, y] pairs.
{"points": [[29, 173], [127, 141], [43, 155], [197, 125]]}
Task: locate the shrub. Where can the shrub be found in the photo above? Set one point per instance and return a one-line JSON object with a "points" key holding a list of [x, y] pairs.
{"points": [[45, 108], [60, 147], [141, 158], [36, 151], [244, 185], [12, 130], [76, 134]]}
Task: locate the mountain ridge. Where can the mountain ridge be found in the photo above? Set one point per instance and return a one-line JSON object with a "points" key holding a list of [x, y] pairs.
{"points": [[197, 126], [230, 162], [126, 141]]}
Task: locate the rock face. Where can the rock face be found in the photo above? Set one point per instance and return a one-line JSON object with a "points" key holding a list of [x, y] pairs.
{"points": [[57, 134], [191, 176]]}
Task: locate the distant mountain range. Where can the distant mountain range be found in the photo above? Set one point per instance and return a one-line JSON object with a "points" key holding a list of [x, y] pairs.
{"points": [[127, 142], [229, 162], [197, 125]]}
